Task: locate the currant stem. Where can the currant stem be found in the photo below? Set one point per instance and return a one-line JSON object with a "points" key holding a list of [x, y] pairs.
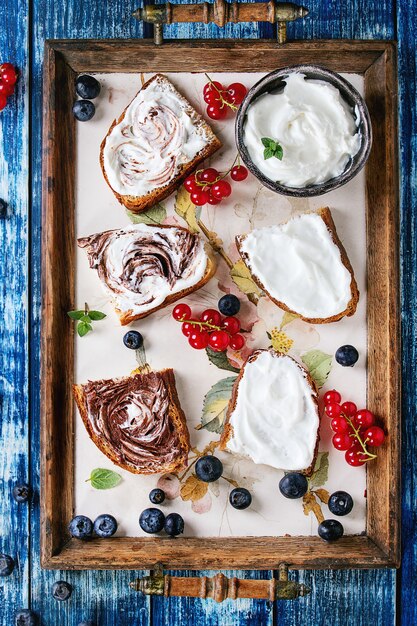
{"points": [[199, 323], [229, 104], [359, 439]]}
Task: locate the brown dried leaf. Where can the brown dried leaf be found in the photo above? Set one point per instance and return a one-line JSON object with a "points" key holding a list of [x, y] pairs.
{"points": [[323, 494], [193, 489], [310, 505]]}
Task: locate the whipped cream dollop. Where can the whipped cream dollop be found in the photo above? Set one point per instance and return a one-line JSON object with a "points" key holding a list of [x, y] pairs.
{"points": [[314, 125], [131, 415], [158, 134], [141, 265], [299, 265], [275, 419]]}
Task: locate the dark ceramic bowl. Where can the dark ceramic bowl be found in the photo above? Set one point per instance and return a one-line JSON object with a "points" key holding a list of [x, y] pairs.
{"points": [[275, 81]]}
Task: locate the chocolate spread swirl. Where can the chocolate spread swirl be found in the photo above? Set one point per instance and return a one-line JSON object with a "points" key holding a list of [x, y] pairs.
{"points": [[143, 264], [132, 416]]}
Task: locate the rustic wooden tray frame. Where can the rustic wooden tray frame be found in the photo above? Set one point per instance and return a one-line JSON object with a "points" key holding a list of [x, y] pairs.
{"points": [[380, 546]]}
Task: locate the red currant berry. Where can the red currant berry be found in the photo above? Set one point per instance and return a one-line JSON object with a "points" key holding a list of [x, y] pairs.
{"points": [[238, 173], [208, 175], [9, 76], [211, 316], [231, 324], [7, 66], [198, 340], [340, 424], [213, 200], [3, 101], [332, 396], [349, 408], [200, 197], [237, 342], [221, 189], [181, 312], [219, 340], [212, 96], [6, 89], [187, 328], [191, 184], [363, 418], [236, 92], [342, 441], [374, 436], [211, 86], [217, 111], [355, 456], [333, 410]]}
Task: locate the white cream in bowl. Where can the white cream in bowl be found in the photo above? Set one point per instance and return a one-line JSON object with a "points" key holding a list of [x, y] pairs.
{"points": [[315, 127]]}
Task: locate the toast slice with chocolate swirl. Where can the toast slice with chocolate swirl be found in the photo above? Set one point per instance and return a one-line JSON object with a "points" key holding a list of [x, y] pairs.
{"points": [[157, 141], [136, 421], [144, 268]]}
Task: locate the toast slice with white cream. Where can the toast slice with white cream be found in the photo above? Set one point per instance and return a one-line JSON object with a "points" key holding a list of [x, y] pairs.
{"points": [[303, 267], [273, 415]]}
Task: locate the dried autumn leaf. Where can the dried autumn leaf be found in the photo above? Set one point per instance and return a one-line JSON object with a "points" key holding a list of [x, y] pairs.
{"points": [[242, 278], [310, 505], [186, 209], [287, 318], [321, 470], [215, 405], [154, 215], [193, 489], [318, 364], [323, 494]]}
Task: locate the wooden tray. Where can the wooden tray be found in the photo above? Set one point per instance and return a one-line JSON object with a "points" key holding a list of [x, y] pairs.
{"points": [[380, 547]]}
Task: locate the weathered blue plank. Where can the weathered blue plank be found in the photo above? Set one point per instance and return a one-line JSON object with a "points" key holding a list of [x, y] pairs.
{"points": [[14, 416], [407, 24]]}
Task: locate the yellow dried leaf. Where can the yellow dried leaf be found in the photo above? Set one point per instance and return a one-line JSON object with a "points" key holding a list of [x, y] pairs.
{"points": [[143, 369], [280, 341], [193, 489], [323, 494], [287, 318], [310, 505], [242, 278], [186, 209]]}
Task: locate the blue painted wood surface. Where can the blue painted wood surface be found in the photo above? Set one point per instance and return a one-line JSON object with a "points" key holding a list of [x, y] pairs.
{"points": [[338, 598]]}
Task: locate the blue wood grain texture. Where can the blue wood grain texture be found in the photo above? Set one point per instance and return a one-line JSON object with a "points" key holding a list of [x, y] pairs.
{"points": [[14, 414], [338, 598]]}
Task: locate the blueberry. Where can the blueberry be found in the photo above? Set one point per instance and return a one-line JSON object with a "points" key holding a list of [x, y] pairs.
{"points": [[83, 110], [3, 208], [330, 530], [340, 503], [174, 524], [229, 304], [151, 520], [157, 496], [209, 468], [81, 527], [87, 87], [133, 340], [240, 498], [21, 492], [61, 590], [293, 485], [6, 565], [105, 525], [347, 355], [25, 617]]}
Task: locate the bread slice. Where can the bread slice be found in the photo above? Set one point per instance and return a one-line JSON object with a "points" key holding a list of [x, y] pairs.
{"points": [[136, 421], [273, 415], [287, 264], [144, 267], [157, 141]]}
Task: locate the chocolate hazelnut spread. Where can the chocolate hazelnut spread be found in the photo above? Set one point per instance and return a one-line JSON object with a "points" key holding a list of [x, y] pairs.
{"points": [[132, 417], [141, 265]]}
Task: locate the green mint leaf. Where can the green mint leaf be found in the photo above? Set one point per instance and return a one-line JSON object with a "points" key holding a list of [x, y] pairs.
{"points": [[268, 153], [85, 318], [75, 315], [101, 478], [278, 152], [83, 328], [267, 142], [96, 315]]}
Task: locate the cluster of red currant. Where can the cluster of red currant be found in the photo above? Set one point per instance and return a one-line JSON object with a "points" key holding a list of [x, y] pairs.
{"points": [[210, 330], [354, 430], [220, 100], [210, 187], [8, 78]]}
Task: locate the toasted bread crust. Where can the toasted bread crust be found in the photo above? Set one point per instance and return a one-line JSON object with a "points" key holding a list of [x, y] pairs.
{"points": [[126, 317], [350, 310], [227, 433], [176, 414], [137, 204]]}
